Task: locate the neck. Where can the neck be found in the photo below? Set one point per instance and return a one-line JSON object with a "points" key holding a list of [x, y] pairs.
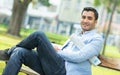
{"points": [[83, 31]]}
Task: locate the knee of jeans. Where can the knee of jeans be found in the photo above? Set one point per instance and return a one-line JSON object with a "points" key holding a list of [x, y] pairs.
{"points": [[39, 33], [20, 51]]}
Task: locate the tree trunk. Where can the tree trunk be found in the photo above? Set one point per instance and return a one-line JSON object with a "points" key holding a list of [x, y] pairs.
{"points": [[109, 25], [18, 13]]}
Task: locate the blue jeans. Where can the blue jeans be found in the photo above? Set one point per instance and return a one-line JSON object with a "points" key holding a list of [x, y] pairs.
{"points": [[44, 60]]}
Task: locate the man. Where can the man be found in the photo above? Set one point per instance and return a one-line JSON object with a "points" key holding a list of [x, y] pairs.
{"points": [[51, 60]]}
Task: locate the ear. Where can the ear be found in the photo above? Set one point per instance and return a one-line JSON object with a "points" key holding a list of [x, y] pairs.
{"points": [[95, 21]]}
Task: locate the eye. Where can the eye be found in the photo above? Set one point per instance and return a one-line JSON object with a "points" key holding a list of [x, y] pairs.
{"points": [[83, 17], [90, 18]]}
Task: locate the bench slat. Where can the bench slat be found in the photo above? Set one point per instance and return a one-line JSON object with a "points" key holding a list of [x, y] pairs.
{"points": [[109, 62], [28, 71]]}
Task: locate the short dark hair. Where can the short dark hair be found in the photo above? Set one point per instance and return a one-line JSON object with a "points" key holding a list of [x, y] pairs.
{"points": [[91, 9]]}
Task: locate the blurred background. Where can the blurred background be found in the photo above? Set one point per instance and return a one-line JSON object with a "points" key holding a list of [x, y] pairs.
{"points": [[59, 19]]}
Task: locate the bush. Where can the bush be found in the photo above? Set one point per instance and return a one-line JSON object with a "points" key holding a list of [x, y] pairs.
{"points": [[56, 38]]}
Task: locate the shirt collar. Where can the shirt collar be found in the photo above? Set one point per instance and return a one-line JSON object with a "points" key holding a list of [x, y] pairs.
{"points": [[86, 32]]}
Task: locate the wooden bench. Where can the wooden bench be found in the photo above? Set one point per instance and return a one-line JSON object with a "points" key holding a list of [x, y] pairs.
{"points": [[28, 71], [107, 62]]}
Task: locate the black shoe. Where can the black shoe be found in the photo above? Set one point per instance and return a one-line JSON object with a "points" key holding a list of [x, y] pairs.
{"points": [[4, 55], [10, 51]]}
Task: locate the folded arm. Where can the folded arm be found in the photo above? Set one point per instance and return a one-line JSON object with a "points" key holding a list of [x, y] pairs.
{"points": [[88, 51]]}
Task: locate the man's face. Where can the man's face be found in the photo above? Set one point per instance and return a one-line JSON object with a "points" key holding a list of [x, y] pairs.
{"points": [[88, 20]]}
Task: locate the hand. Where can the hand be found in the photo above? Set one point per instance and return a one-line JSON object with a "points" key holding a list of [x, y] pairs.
{"points": [[56, 47]]}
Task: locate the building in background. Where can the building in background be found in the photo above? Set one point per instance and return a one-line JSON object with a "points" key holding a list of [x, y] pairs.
{"points": [[69, 15], [41, 17], [62, 17], [5, 10]]}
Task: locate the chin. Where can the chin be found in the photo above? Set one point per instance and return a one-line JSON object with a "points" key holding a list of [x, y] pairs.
{"points": [[86, 29]]}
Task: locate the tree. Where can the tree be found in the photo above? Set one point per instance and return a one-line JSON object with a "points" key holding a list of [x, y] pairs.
{"points": [[111, 6], [109, 25], [18, 13]]}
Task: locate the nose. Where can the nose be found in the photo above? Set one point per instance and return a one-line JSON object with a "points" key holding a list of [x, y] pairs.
{"points": [[85, 20]]}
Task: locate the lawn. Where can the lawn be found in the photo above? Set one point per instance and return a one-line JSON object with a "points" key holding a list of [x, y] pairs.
{"points": [[7, 41]]}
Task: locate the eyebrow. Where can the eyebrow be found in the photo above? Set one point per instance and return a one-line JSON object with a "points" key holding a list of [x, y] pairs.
{"points": [[87, 16]]}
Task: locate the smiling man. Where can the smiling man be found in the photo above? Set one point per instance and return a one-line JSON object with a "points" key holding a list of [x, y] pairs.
{"points": [[88, 19], [49, 59]]}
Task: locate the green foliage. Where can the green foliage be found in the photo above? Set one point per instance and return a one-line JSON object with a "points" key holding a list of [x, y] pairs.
{"points": [[107, 4], [44, 2], [97, 2]]}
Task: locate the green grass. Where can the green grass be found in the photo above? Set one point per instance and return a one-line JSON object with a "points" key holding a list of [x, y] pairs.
{"points": [[112, 51], [104, 71], [7, 41]]}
